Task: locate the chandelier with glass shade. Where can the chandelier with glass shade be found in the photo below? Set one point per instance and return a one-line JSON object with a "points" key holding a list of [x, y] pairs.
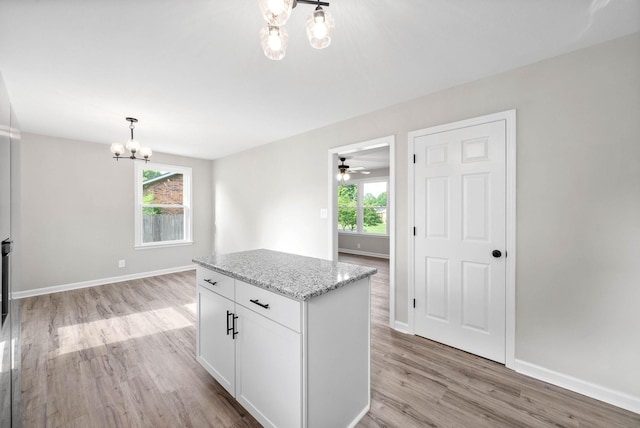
{"points": [[133, 146], [274, 37]]}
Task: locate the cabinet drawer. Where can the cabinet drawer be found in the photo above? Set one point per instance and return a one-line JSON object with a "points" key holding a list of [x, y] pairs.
{"points": [[214, 281], [281, 309]]}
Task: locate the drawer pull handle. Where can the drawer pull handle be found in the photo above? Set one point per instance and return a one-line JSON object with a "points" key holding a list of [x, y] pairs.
{"points": [[232, 329], [211, 282], [235, 332], [257, 302], [229, 329]]}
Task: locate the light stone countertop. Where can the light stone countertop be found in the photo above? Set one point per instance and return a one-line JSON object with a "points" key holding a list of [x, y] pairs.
{"points": [[291, 275]]}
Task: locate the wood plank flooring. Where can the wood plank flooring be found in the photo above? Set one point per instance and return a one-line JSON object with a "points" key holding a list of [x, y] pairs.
{"points": [[123, 355], [120, 355], [420, 383]]}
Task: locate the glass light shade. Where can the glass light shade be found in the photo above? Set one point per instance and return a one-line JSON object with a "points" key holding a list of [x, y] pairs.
{"points": [[274, 41], [133, 146], [145, 152], [276, 12], [343, 176], [320, 25], [117, 149]]}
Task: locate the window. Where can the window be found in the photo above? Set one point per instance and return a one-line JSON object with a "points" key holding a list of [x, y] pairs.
{"points": [[362, 207], [163, 205]]}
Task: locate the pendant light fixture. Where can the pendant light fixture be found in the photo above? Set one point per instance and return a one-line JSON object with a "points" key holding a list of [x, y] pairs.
{"points": [[343, 175], [274, 41], [320, 25], [276, 13], [133, 146]]}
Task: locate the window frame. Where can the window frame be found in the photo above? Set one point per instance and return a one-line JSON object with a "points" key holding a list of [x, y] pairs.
{"points": [[360, 207], [139, 205]]}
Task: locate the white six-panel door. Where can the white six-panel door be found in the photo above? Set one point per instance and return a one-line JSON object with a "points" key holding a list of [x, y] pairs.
{"points": [[459, 203]]}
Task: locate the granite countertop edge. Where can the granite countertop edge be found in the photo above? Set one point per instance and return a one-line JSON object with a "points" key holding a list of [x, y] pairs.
{"points": [[291, 292]]}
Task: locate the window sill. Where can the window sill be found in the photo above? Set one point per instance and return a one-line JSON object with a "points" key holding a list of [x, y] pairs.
{"points": [[372, 235], [162, 245]]}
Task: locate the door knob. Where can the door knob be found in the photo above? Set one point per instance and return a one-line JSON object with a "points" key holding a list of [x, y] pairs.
{"points": [[496, 253]]}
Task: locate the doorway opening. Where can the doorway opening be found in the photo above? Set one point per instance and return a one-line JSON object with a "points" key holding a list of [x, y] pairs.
{"points": [[366, 223]]}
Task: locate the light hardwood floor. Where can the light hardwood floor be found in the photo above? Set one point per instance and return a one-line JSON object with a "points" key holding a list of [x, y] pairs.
{"points": [[122, 355]]}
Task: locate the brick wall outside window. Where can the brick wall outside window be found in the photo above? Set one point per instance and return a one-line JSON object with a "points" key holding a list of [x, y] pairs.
{"points": [[166, 191]]}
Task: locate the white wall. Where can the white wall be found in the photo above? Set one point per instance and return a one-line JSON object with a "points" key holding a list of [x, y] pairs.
{"points": [[367, 245], [270, 197], [77, 211], [578, 201]]}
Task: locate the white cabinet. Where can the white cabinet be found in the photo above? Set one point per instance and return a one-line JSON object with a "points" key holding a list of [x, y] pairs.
{"points": [[215, 350], [268, 370], [289, 363]]}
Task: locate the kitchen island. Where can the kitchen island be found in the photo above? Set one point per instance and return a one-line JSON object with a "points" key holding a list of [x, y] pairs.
{"points": [[288, 336]]}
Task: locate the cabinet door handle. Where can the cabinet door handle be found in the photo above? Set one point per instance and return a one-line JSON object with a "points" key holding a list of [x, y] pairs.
{"points": [[229, 329], [235, 332], [211, 282], [257, 302]]}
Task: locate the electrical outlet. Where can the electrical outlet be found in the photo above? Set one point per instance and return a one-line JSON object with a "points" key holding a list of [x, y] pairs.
{"points": [[358, 245], [121, 263], [324, 213]]}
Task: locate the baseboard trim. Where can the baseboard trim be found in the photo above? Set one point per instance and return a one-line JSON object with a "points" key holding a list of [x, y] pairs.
{"points": [[400, 326], [360, 416], [93, 283], [616, 398], [363, 253]]}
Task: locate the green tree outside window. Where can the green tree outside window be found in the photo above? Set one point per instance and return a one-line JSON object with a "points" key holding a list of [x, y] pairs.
{"points": [[373, 209]]}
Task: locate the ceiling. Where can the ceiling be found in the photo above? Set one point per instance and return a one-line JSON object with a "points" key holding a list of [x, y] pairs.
{"points": [[368, 160], [193, 72]]}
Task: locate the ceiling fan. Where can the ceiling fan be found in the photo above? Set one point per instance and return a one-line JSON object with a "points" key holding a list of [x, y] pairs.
{"points": [[344, 170], [359, 170]]}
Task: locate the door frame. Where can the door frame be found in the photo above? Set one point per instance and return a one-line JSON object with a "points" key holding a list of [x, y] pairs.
{"points": [[388, 141], [509, 117]]}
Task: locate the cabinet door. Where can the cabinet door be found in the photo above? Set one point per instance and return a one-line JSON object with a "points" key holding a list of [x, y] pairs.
{"points": [[215, 348], [268, 370]]}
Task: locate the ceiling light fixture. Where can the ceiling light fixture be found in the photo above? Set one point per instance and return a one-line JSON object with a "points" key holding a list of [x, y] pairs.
{"points": [[343, 175], [132, 145], [274, 41], [276, 12], [319, 27], [273, 36]]}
